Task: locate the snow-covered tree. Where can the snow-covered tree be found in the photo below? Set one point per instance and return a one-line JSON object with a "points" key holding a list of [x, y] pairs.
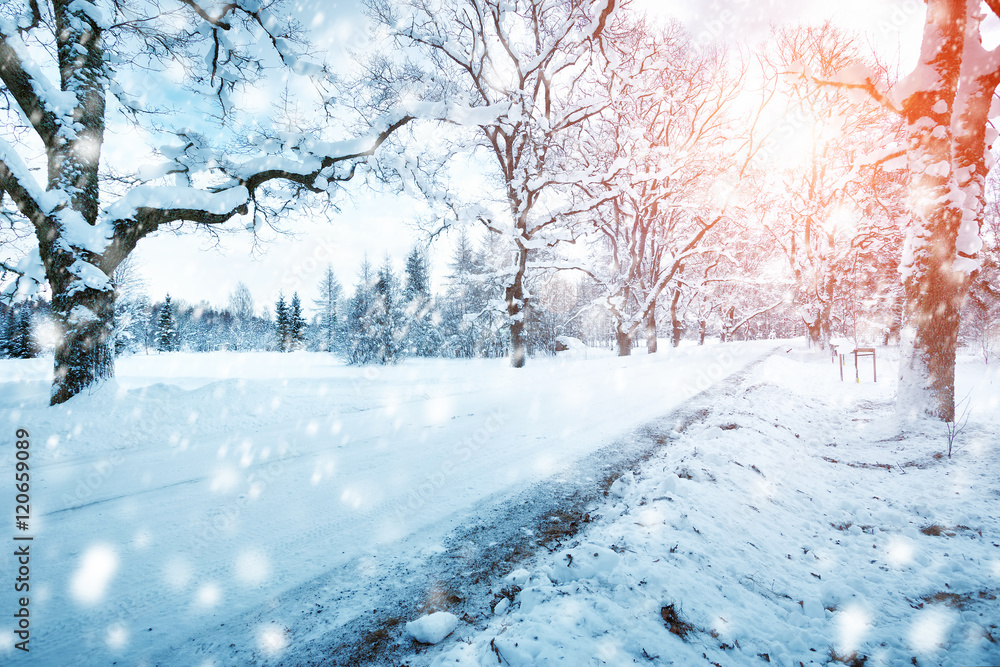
{"points": [[981, 317], [361, 344], [423, 335], [530, 64], [242, 325], [8, 326], [554, 311], [282, 325], [296, 325], [131, 309], [81, 78], [387, 316], [329, 311], [945, 102], [665, 145], [167, 337], [22, 343], [824, 197], [471, 326], [417, 283]]}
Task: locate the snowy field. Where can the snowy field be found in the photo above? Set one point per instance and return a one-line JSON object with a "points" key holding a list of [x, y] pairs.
{"points": [[186, 513], [198, 487]]}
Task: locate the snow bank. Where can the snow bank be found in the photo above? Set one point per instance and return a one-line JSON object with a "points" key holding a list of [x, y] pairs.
{"points": [[795, 524]]}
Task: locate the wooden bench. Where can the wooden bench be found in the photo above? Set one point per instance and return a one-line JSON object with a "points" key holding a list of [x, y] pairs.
{"points": [[860, 352]]}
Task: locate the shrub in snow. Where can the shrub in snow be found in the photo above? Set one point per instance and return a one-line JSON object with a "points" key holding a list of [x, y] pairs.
{"points": [[432, 628]]}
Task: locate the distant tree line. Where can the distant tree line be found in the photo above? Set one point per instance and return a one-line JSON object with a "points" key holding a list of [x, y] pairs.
{"points": [[388, 316]]}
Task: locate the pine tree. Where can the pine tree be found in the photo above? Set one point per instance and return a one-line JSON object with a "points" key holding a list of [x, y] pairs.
{"points": [[472, 325], [417, 280], [329, 311], [462, 299], [296, 325], [282, 327], [166, 328], [422, 337], [23, 340], [361, 345], [9, 329], [388, 316]]}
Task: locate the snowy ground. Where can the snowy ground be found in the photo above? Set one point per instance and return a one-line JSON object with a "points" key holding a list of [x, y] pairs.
{"points": [[798, 523], [204, 490]]}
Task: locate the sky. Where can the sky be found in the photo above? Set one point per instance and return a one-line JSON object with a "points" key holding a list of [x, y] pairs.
{"points": [[196, 267]]}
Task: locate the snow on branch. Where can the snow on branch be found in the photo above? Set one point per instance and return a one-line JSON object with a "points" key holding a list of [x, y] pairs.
{"points": [[315, 165], [30, 276], [756, 313], [218, 20], [46, 108], [17, 181], [857, 78]]}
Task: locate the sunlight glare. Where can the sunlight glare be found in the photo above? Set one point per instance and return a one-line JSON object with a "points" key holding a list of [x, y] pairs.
{"points": [[46, 334], [841, 219]]}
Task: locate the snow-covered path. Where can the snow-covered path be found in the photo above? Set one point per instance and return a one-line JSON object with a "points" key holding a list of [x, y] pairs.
{"points": [[202, 487], [798, 522]]}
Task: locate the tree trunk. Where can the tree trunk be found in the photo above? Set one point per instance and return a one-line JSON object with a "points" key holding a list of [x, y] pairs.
{"points": [[933, 308], [83, 298], [516, 310], [624, 342], [651, 330], [728, 320], [826, 311], [83, 353], [896, 324], [933, 289], [825, 326], [676, 326], [702, 327]]}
